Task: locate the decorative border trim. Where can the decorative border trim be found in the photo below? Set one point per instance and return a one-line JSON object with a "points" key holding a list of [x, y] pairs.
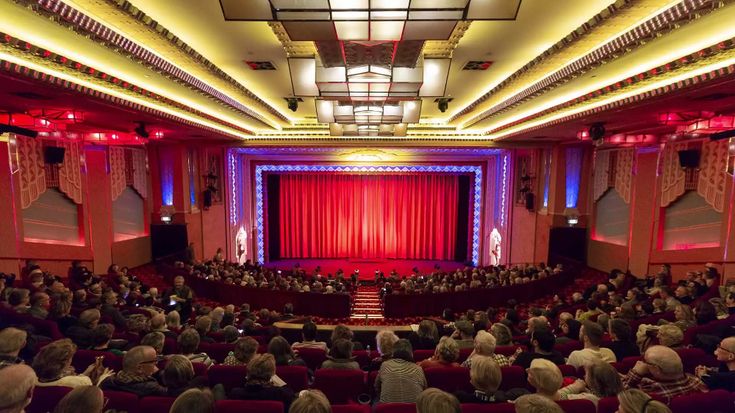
{"points": [[259, 191]]}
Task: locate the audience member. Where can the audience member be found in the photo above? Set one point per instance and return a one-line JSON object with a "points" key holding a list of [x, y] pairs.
{"points": [[188, 346], [464, 333], [399, 379], [621, 343], [503, 335], [259, 385], [426, 337], [87, 399], [661, 373], [283, 354], [17, 383], [340, 356], [591, 336], [433, 400], [193, 401], [536, 403], [244, 350], [600, 380], [445, 355], [53, 367], [545, 377], [178, 376], [542, 347], [722, 377], [82, 334], [12, 341], [311, 401], [385, 340], [308, 338], [485, 377], [136, 376], [485, 344], [342, 331], [636, 401]]}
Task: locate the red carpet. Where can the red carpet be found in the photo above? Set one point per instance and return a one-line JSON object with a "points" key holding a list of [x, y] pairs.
{"points": [[367, 267]]}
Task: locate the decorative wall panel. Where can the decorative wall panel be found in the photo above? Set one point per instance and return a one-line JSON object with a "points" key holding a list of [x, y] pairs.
{"points": [[118, 183], [673, 176], [70, 171], [624, 173], [713, 173], [32, 170]]}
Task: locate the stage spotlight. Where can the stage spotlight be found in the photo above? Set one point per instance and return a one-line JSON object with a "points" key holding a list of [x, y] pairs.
{"points": [[141, 131], [443, 104], [293, 104], [18, 130], [597, 131]]}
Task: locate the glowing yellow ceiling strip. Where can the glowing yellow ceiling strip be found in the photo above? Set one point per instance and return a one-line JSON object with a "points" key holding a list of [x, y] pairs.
{"points": [[143, 102]]}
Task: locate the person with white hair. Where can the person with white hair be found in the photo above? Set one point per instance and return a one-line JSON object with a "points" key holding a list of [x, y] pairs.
{"points": [[17, 383], [661, 373], [12, 341], [485, 344]]}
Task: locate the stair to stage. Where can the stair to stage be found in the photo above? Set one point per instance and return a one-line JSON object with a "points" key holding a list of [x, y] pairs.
{"points": [[366, 302]]}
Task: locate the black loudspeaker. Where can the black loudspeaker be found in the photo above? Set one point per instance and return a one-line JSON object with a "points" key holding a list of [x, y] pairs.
{"points": [[207, 198], [722, 135], [597, 131], [530, 201], [689, 158], [168, 239], [568, 242], [53, 155]]}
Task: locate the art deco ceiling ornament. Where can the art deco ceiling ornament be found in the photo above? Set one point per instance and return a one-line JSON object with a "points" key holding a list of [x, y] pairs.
{"points": [[376, 20]]}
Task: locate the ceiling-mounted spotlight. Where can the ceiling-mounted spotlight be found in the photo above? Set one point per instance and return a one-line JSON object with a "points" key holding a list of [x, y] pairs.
{"points": [[597, 131], [443, 104], [141, 131], [293, 103]]}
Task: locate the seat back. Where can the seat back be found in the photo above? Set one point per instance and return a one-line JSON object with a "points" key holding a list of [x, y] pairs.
{"points": [[200, 369], [577, 406], [216, 351], [296, 377], [488, 408], [313, 357], [693, 357], [122, 401], [608, 405], [506, 350], [83, 358], [569, 371], [46, 398], [363, 358], [419, 355], [716, 401], [395, 408], [340, 386], [228, 376], [449, 379], [170, 346], [248, 406], [567, 348], [464, 353], [513, 377], [351, 408], [156, 404]]}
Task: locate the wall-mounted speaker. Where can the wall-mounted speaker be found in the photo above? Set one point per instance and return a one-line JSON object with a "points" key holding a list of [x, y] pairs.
{"points": [[689, 158], [207, 198], [53, 155], [530, 201]]}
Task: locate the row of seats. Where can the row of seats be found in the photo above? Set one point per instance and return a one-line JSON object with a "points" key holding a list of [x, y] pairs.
{"points": [[45, 398]]}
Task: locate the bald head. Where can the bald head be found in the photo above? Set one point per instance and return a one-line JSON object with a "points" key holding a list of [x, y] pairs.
{"points": [[666, 360], [17, 382], [728, 344], [138, 356]]}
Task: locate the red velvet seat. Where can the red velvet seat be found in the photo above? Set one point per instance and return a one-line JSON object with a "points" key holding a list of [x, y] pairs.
{"points": [[419, 355], [464, 353], [449, 379], [216, 351], [247, 406], [621, 367], [363, 358], [717, 401], [608, 405], [170, 346], [569, 371], [488, 408], [200, 369], [83, 358], [46, 398], [351, 408], [371, 377], [506, 350], [708, 328], [228, 376], [340, 386], [567, 348], [395, 408], [693, 357], [122, 401], [313, 357], [296, 377], [577, 406], [513, 377], [156, 404]]}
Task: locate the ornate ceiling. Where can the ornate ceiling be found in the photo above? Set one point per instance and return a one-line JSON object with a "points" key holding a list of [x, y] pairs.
{"points": [[183, 60]]}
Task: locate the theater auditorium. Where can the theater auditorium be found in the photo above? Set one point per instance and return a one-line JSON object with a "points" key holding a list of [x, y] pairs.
{"points": [[367, 206]]}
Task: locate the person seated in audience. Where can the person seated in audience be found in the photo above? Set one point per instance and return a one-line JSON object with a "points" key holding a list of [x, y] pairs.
{"points": [[40, 304], [569, 330], [136, 376], [189, 344], [230, 334], [541, 347], [179, 298], [704, 313], [259, 385], [173, 322], [621, 343], [536, 403], [101, 338], [244, 350], [464, 333], [591, 336], [445, 355], [194, 401], [485, 377], [503, 335], [342, 331], [591, 313], [661, 373], [155, 340], [17, 383], [53, 367], [203, 326], [158, 324], [308, 338], [19, 300], [82, 334], [399, 379], [311, 401], [670, 336], [109, 309], [600, 380], [216, 319], [730, 302], [545, 377], [340, 356], [385, 340], [667, 295], [426, 337], [12, 341], [722, 377], [87, 399], [283, 354], [60, 312], [433, 400], [684, 317], [636, 401], [485, 344], [682, 294], [178, 376]]}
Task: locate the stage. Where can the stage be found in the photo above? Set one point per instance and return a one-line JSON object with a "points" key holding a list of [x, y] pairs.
{"points": [[367, 267]]}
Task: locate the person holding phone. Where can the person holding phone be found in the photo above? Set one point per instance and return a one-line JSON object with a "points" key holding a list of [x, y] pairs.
{"points": [[179, 298]]}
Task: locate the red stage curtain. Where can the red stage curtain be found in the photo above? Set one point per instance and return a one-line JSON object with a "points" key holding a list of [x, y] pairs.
{"points": [[368, 216]]}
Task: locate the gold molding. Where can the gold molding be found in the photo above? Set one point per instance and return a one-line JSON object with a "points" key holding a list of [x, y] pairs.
{"points": [[445, 48], [292, 48]]}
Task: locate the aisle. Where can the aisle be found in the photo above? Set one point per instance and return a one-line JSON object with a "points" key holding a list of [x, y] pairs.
{"points": [[367, 303]]}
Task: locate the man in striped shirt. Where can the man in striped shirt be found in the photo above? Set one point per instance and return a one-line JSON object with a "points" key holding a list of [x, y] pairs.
{"points": [[661, 373]]}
